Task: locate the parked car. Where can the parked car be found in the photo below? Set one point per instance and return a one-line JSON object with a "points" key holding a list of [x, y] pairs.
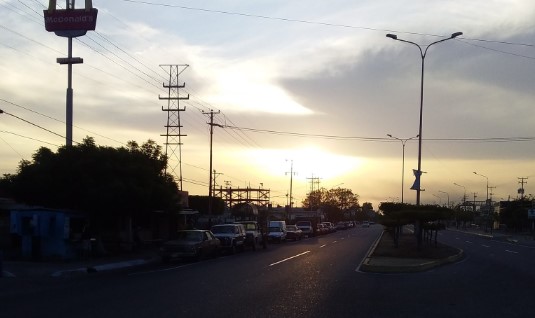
{"points": [[277, 231], [232, 236], [365, 224], [329, 227], [293, 233], [306, 227], [320, 229], [190, 244], [342, 225], [253, 236]]}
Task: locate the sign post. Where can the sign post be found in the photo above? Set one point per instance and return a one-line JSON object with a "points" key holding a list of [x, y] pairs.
{"points": [[70, 23]]}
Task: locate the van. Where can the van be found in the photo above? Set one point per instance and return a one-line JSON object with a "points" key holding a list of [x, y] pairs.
{"points": [[277, 231]]}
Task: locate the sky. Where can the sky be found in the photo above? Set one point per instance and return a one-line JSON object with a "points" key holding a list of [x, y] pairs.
{"points": [[304, 93]]}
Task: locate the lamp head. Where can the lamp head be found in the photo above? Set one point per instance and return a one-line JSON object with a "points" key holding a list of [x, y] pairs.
{"points": [[392, 36], [456, 34]]}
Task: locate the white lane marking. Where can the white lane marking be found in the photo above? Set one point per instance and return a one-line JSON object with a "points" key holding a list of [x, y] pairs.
{"points": [[468, 242], [335, 242], [485, 245], [289, 258], [509, 251], [323, 245]]}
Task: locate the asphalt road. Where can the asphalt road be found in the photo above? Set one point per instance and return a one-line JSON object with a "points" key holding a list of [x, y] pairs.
{"points": [[315, 277]]}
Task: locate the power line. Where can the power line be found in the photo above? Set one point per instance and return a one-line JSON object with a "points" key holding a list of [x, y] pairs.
{"points": [[338, 25], [33, 124], [379, 139]]}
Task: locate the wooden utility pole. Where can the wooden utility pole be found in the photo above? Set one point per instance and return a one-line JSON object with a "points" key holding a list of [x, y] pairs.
{"points": [[211, 113]]}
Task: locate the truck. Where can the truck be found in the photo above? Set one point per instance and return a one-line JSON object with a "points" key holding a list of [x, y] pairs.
{"points": [[309, 225], [277, 231]]}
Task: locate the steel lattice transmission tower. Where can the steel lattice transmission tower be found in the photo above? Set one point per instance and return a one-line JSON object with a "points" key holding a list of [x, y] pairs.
{"points": [[173, 134]]}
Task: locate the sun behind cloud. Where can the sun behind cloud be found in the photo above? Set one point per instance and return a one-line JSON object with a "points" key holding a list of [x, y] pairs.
{"points": [[307, 161]]}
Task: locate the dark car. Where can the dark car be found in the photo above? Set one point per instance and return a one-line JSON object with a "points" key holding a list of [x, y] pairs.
{"points": [[293, 233], [232, 236], [194, 244]]}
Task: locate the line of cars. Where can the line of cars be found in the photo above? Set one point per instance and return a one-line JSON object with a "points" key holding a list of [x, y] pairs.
{"points": [[197, 244], [234, 237]]}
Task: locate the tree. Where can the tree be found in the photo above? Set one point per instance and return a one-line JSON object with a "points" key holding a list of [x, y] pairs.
{"points": [[333, 202], [395, 215], [104, 182]]}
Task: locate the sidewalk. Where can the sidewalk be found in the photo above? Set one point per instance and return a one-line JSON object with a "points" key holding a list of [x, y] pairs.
{"points": [[41, 269]]}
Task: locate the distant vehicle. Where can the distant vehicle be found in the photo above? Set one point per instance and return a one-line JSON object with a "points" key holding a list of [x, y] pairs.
{"points": [[365, 224], [277, 231], [293, 233], [329, 227], [307, 227], [342, 225], [232, 236], [194, 244], [253, 236], [321, 229]]}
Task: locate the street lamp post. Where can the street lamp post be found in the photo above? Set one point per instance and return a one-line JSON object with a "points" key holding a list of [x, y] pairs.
{"points": [[477, 174], [487, 203], [423, 53], [446, 193], [439, 199], [403, 141], [464, 195]]}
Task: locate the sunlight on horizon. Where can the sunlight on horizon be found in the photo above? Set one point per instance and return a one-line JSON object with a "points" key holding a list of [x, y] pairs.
{"points": [[307, 162]]}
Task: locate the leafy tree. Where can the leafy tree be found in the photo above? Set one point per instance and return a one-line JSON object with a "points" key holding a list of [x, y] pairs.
{"points": [[200, 203], [334, 202], [395, 215], [105, 182], [515, 214]]}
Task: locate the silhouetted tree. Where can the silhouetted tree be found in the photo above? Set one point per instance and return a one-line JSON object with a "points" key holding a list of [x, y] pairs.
{"points": [[104, 182], [333, 202]]}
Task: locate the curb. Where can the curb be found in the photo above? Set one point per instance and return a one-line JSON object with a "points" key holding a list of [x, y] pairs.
{"points": [[102, 268]]}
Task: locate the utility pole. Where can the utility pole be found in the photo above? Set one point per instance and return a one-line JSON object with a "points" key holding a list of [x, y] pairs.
{"points": [[521, 190], [211, 113], [314, 181], [216, 174], [173, 134], [291, 181]]}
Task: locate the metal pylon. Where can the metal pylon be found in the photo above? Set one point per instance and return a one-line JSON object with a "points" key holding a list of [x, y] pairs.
{"points": [[173, 135]]}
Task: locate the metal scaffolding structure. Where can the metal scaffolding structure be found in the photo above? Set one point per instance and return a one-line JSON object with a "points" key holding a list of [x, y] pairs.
{"points": [[233, 196]]}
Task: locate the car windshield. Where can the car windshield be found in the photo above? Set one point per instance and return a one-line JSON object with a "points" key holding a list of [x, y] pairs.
{"points": [[223, 229], [275, 229], [250, 226], [191, 236]]}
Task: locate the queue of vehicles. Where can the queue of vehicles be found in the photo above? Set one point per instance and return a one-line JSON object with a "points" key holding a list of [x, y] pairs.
{"points": [[233, 237]]}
